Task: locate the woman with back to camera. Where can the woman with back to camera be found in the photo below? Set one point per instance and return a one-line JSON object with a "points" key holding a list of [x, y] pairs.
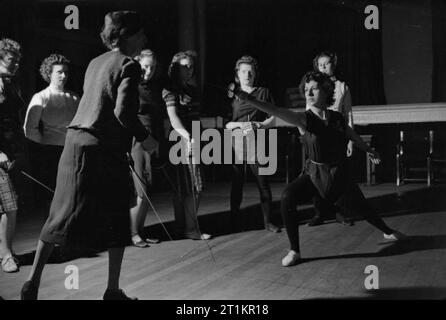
{"points": [[181, 98], [247, 118], [92, 197], [325, 134]]}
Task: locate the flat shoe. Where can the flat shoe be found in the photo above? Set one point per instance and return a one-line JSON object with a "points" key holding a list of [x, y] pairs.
{"points": [[140, 244], [10, 264], [395, 236], [315, 221], [29, 291], [152, 240], [291, 259], [272, 228], [203, 236], [345, 222], [117, 295]]}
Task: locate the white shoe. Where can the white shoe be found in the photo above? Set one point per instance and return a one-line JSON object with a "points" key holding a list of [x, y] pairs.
{"points": [[395, 236], [9, 264], [291, 259], [205, 236]]}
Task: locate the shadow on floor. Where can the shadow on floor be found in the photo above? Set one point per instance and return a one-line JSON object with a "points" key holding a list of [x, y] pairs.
{"points": [[410, 293], [250, 218], [411, 244], [59, 255]]}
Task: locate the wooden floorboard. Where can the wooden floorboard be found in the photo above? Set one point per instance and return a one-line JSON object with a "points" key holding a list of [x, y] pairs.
{"points": [[247, 264]]}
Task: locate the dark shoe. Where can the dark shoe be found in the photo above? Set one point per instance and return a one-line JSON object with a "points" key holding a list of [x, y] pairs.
{"points": [[29, 291], [315, 221], [152, 240], [343, 220], [117, 295], [272, 228]]}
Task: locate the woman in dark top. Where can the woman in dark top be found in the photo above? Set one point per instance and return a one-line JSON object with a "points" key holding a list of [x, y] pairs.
{"points": [[181, 100], [247, 118], [151, 114], [11, 149], [326, 62], [325, 134], [92, 196]]}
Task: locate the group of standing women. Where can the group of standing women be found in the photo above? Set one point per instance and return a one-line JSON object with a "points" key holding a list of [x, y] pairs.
{"points": [[120, 116], [121, 111]]}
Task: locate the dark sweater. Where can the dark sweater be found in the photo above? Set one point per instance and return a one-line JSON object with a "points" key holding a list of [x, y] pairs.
{"points": [[11, 122], [243, 111], [110, 103]]}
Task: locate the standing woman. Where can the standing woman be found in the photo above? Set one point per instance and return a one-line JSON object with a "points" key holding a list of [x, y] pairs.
{"points": [[247, 117], [92, 197], [11, 148], [49, 113], [326, 62], [327, 173], [151, 114], [181, 100]]}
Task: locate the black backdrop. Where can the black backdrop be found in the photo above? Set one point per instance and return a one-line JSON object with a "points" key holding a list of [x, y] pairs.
{"points": [[286, 35]]}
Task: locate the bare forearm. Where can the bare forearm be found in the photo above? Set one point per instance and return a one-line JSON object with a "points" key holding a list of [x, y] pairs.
{"points": [[268, 123], [233, 125], [176, 123], [357, 140], [296, 118]]}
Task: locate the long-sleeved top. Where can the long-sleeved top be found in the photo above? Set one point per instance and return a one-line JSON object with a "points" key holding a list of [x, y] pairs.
{"points": [[242, 111], [110, 103], [49, 113], [11, 118]]}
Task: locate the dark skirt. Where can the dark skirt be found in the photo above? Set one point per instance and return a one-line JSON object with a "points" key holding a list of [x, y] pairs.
{"points": [[335, 184], [90, 207]]}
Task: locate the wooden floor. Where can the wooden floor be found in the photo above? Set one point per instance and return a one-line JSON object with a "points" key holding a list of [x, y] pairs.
{"points": [[247, 264]]}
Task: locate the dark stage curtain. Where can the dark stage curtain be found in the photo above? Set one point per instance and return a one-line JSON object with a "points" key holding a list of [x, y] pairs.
{"points": [[439, 50], [286, 35], [17, 21]]}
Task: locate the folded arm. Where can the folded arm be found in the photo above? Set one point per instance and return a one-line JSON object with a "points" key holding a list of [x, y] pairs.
{"points": [[33, 118]]}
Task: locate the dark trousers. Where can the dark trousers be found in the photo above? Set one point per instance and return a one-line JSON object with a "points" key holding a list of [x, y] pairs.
{"points": [[302, 189], [238, 179]]}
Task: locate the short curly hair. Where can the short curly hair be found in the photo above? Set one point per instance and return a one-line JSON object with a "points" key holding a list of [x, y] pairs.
{"points": [[329, 54], [119, 25], [46, 68], [324, 82], [246, 60], [9, 46]]}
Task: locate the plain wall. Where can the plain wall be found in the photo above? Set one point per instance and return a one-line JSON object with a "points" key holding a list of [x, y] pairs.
{"points": [[407, 50]]}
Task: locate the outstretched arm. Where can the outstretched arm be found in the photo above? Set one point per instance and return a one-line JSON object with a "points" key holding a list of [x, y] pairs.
{"points": [[296, 118]]}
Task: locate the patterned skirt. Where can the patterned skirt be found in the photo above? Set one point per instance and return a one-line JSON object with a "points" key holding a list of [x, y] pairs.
{"points": [[8, 195]]}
